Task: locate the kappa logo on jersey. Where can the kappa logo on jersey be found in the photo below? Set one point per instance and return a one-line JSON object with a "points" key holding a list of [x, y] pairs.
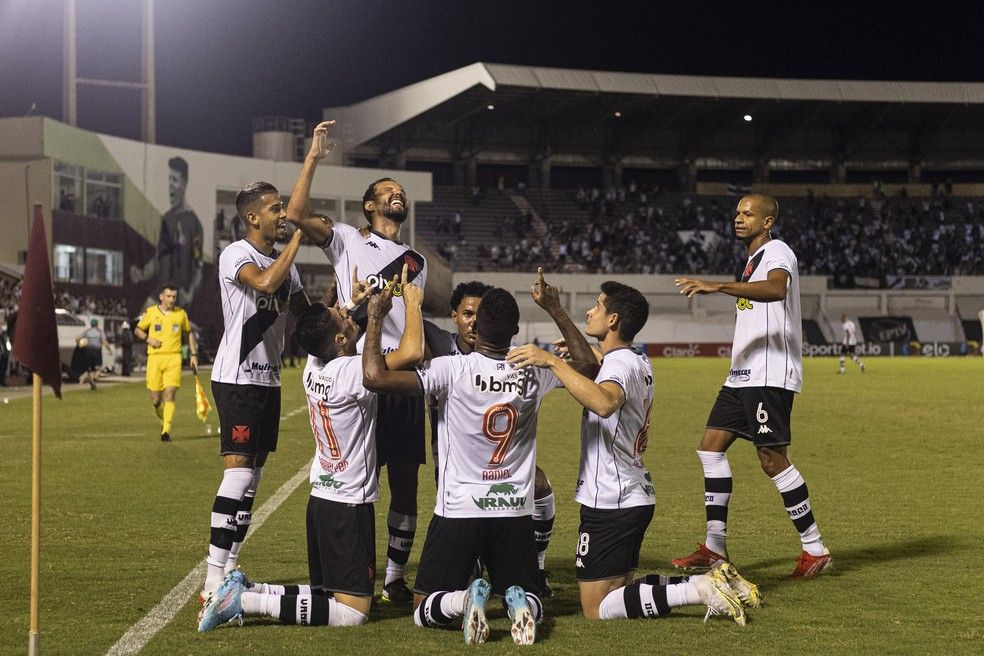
{"points": [[515, 383], [764, 429], [496, 497], [240, 434]]}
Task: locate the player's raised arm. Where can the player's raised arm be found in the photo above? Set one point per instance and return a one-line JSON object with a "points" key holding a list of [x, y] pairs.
{"points": [[315, 227], [603, 399], [376, 376], [773, 288], [548, 297], [267, 281], [411, 349]]}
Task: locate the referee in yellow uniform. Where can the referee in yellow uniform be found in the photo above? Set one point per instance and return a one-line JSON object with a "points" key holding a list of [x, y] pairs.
{"points": [[162, 326]]}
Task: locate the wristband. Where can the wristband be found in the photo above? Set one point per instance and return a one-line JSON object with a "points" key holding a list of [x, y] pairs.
{"points": [[350, 306]]}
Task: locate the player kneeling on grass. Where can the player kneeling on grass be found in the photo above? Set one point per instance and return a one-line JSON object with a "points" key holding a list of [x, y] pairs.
{"points": [[614, 488], [487, 451], [344, 484]]}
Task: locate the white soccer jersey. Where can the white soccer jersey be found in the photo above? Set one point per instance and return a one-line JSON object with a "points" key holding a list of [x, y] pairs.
{"points": [[378, 259], [343, 421], [612, 475], [850, 333], [249, 353], [487, 434], [768, 346]]}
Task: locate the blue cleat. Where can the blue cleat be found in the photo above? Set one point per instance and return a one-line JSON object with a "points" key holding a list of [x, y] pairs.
{"points": [[522, 620], [224, 604], [475, 626]]}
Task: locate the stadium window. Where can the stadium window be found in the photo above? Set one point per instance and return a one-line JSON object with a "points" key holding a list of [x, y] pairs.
{"points": [[104, 194], [68, 263], [103, 267], [68, 188]]}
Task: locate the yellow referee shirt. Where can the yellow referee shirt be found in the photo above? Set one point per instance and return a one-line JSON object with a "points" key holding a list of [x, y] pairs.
{"points": [[167, 328]]}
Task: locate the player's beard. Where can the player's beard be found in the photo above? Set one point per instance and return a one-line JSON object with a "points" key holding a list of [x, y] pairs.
{"points": [[398, 215]]}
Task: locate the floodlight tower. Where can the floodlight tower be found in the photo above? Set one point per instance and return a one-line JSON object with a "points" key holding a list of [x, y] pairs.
{"points": [[148, 121]]}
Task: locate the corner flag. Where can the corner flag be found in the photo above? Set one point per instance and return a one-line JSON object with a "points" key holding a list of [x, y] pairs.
{"points": [[202, 405], [36, 339]]}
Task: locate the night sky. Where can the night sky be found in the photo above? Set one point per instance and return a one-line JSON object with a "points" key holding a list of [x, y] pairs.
{"points": [[222, 62]]}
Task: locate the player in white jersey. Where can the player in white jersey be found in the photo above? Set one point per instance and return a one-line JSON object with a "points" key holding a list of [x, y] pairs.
{"points": [[376, 251], [340, 519], [614, 487], [756, 401], [257, 284], [849, 344], [465, 299], [487, 444]]}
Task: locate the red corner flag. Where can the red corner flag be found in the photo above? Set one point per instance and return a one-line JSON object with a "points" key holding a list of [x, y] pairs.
{"points": [[36, 338]]}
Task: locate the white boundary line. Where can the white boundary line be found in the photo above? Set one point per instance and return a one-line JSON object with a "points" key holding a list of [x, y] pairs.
{"points": [[138, 635]]}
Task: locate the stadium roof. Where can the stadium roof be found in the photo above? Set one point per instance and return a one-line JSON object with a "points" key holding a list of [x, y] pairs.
{"points": [[530, 110]]}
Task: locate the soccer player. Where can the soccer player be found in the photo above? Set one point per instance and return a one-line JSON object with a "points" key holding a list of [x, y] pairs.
{"points": [[850, 344], [376, 251], [162, 327], [465, 299], [487, 444], [258, 284], [756, 402], [614, 488], [344, 478], [92, 341]]}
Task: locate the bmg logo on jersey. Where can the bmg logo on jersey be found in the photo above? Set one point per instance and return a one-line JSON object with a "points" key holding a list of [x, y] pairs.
{"points": [[514, 383]]}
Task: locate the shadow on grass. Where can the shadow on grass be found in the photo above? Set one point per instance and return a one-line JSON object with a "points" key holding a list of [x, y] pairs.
{"points": [[848, 560]]}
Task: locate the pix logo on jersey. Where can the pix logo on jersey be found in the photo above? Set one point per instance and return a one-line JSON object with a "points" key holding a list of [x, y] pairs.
{"points": [[495, 498]]}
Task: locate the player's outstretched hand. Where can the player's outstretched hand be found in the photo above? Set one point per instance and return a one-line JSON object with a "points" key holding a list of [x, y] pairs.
{"points": [[692, 286], [530, 355], [413, 296], [321, 142], [360, 288], [380, 304], [544, 295]]}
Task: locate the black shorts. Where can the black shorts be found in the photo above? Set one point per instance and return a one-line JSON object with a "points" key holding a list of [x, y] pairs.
{"points": [[759, 414], [93, 357], [609, 541], [505, 545], [249, 417], [850, 349], [400, 429], [341, 540]]}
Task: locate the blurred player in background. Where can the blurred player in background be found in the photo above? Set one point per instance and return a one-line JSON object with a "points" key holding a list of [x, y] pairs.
{"points": [[849, 344]]}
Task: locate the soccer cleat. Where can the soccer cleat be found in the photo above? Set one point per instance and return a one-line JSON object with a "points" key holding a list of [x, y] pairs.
{"points": [[808, 565], [165, 437], [522, 621], [719, 598], [747, 591], [701, 560], [224, 604], [474, 625], [397, 592]]}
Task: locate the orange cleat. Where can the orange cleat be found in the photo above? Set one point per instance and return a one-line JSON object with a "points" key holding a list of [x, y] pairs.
{"points": [[808, 565], [700, 560]]}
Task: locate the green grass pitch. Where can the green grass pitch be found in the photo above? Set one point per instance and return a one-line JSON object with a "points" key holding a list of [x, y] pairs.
{"points": [[892, 459]]}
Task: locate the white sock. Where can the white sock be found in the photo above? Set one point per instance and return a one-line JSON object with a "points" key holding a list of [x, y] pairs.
{"points": [[682, 594], [234, 483], [796, 499], [717, 496]]}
